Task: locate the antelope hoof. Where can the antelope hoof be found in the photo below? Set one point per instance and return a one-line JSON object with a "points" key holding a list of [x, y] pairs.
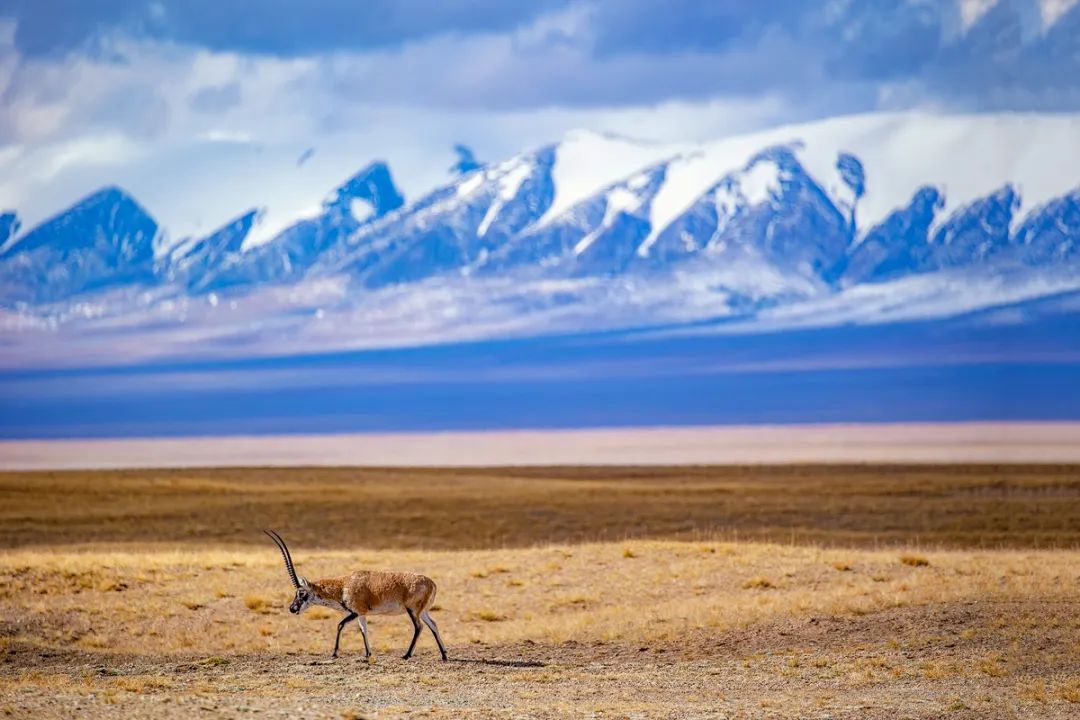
{"points": [[406, 656]]}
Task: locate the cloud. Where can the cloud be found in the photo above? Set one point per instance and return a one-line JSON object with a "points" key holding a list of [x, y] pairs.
{"points": [[973, 54], [257, 82], [823, 57], [275, 27], [216, 99]]}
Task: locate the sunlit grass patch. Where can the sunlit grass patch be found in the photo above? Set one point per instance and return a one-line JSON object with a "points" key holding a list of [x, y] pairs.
{"points": [[914, 560], [257, 603], [577, 600], [1069, 690], [143, 683], [992, 665], [1033, 690]]}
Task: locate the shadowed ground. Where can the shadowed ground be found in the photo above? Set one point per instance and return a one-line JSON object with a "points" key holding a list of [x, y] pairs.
{"points": [[950, 506]]}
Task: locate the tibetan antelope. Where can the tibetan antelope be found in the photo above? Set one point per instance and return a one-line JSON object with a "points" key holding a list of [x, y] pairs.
{"points": [[364, 593]]}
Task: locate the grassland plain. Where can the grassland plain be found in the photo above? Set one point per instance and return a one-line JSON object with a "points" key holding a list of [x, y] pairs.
{"points": [[695, 592]]}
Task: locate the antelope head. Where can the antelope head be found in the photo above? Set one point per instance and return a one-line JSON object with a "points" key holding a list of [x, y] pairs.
{"points": [[304, 594]]}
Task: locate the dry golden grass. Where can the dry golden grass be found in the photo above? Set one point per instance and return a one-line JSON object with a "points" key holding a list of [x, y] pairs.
{"points": [[217, 600], [928, 624]]}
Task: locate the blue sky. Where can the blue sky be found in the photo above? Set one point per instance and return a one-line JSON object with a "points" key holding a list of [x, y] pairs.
{"points": [[117, 90]]}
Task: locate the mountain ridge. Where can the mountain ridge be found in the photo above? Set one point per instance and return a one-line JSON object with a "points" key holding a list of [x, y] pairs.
{"points": [[736, 227]]}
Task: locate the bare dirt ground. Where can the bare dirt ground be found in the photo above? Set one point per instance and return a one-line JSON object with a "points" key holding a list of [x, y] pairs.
{"points": [[116, 600], [811, 668]]}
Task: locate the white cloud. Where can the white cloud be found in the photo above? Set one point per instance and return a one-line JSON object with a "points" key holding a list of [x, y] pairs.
{"points": [[971, 11], [75, 124], [226, 136], [1052, 10], [106, 151], [71, 124]]}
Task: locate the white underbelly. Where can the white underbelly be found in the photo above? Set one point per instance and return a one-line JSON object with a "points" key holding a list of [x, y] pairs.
{"points": [[390, 608]]}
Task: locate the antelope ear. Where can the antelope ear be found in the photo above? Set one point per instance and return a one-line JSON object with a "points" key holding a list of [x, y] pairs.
{"points": [[303, 582]]}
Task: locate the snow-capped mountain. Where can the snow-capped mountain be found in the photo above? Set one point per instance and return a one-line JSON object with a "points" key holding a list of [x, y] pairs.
{"points": [[360, 200], [594, 232]]}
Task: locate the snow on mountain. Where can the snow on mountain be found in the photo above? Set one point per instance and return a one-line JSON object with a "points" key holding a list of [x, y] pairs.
{"points": [[587, 162], [192, 261], [451, 230], [597, 235], [965, 157], [362, 199], [9, 228], [897, 245], [771, 212], [1050, 234], [599, 231]]}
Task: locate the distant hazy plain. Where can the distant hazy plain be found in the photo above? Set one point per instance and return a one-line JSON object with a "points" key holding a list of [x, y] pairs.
{"points": [[902, 443]]}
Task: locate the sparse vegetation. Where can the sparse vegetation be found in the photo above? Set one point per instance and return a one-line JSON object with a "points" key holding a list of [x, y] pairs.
{"points": [[914, 560], [476, 509], [258, 604], [100, 612]]}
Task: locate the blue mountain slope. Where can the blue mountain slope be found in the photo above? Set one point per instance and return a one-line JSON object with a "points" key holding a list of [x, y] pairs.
{"points": [[897, 246], [598, 236], [612, 245], [104, 240], [975, 233], [562, 239], [193, 262], [362, 199], [771, 211], [1050, 234], [452, 230], [9, 227]]}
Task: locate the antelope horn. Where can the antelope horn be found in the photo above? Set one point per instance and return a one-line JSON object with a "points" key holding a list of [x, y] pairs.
{"points": [[284, 554]]}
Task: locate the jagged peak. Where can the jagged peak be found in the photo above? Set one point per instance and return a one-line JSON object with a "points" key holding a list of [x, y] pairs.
{"points": [[229, 237], [99, 207], [466, 160], [9, 229], [108, 194], [373, 183]]}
